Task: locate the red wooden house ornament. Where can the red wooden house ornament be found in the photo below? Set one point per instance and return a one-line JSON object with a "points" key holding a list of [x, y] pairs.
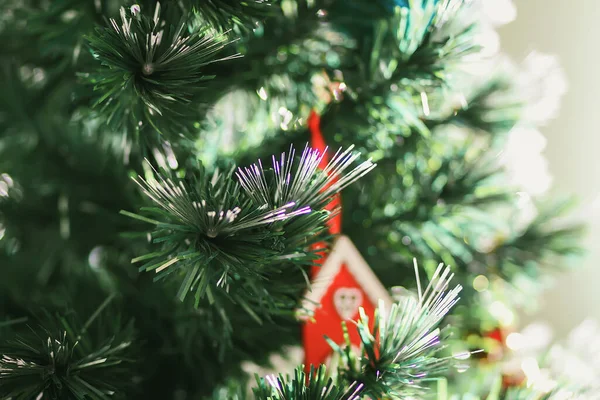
{"points": [[342, 285]]}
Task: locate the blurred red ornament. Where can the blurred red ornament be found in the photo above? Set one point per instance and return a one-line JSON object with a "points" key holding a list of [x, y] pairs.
{"points": [[496, 334], [513, 380]]}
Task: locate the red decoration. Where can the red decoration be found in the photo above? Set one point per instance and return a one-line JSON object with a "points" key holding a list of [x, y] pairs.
{"points": [[509, 379], [342, 285], [496, 334], [335, 223], [318, 142]]}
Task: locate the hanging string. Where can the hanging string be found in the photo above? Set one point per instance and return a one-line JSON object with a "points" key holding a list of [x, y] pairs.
{"points": [[318, 142]]}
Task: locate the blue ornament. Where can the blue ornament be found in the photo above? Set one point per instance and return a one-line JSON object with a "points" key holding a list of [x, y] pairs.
{"points": [[405, 3]]}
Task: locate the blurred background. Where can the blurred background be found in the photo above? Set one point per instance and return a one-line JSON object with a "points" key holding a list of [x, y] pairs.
{"points": [[569, 30]]}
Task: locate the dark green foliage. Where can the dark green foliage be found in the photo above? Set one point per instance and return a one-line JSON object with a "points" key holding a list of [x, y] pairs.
{"points": [[223, 14], [64, 359], [52, 30], [179, 342], [152, 72]]}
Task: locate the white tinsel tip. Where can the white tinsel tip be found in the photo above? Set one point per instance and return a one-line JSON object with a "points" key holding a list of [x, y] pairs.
{"points": [[419, 316], [437, 297], [135, 9], [299, 181]]}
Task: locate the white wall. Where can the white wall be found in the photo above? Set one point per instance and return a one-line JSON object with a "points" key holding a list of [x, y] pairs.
{"points": [[571, 30]]}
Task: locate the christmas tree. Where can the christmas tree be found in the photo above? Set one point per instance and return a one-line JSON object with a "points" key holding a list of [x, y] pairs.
{"points": [[170, 191]]}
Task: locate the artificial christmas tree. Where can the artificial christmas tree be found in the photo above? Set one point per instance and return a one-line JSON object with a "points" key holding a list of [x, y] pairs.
{"points": [[130, 134]]}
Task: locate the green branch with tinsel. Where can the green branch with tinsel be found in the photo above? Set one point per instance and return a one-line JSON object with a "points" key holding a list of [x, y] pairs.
{"points": [[235, 237]]}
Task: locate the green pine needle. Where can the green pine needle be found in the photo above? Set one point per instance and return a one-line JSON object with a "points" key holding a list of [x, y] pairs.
{"points": [[223, 14], [152, 72], [318, 386], [495, 107]]}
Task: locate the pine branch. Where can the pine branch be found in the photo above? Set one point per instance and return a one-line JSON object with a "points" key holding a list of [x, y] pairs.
{"points": [[399, 349], [232, 390], [235, 238], [493, 108], [436, 179], [478, 244], [317, 385], [408, 61], [224, 14], [63, 360], [305, 185], [540, 243], [152, 73], [411, 46]]}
